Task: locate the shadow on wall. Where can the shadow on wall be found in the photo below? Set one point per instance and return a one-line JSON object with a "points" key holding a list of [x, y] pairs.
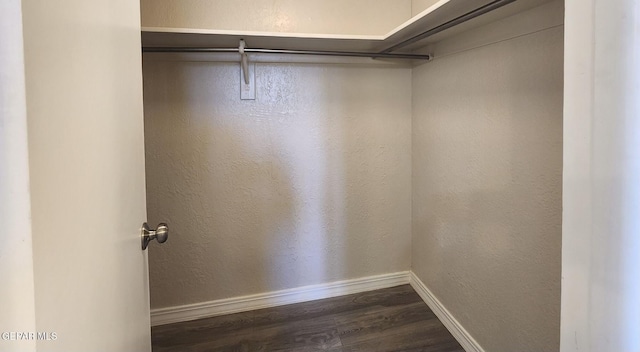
{"points": [[298, 187]]}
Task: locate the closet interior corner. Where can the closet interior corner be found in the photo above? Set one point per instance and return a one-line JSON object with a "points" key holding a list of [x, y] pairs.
{"points": [[353, 145]]}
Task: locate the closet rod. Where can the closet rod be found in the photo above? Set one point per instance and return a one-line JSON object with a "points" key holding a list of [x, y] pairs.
{"points": [[151, 49], [454, 22]]}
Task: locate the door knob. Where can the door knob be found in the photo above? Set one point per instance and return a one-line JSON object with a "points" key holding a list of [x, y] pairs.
{"points": [[161, 234]]}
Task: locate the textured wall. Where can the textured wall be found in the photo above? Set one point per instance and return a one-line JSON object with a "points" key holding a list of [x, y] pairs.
{"points": [[487, 188], [308, 184], [361, 17]]}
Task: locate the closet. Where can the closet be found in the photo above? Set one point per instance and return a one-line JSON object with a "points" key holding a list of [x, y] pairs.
{"points": [[329, 174]]}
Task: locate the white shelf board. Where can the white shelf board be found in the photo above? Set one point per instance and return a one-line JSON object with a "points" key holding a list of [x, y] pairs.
{"points": [[493, 16], [439, 13], [185, 37]]}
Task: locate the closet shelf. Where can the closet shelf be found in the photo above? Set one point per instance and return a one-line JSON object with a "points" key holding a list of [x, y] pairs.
{"points": [[441, 16]]}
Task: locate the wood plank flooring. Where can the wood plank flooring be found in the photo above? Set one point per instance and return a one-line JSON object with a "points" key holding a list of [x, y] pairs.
{"points": [[393, 319]]}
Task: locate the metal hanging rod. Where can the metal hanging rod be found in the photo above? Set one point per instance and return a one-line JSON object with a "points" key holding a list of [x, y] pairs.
{"points": [[150, 49], [454, 22]]}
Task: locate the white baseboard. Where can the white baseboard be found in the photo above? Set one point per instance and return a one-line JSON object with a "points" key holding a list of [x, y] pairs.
{"points": [[464, 338], [195, 311]]}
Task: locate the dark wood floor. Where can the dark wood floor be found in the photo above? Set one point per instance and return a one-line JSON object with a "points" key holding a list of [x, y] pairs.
{"points": [[393, 319]]}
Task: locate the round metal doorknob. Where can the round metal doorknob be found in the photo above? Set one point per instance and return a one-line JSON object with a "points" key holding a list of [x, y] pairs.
{"points": [[161, 234]]}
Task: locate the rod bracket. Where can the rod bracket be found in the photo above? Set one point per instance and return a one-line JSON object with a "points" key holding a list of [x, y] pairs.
{"points": [[244, 61]]}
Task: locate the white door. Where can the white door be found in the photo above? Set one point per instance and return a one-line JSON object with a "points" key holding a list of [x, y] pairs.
{"points": [[86, 162]]}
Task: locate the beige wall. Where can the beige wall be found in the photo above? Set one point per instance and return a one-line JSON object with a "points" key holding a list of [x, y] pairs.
{"points": [[355, 17], [487, 186], [308, 184]]}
